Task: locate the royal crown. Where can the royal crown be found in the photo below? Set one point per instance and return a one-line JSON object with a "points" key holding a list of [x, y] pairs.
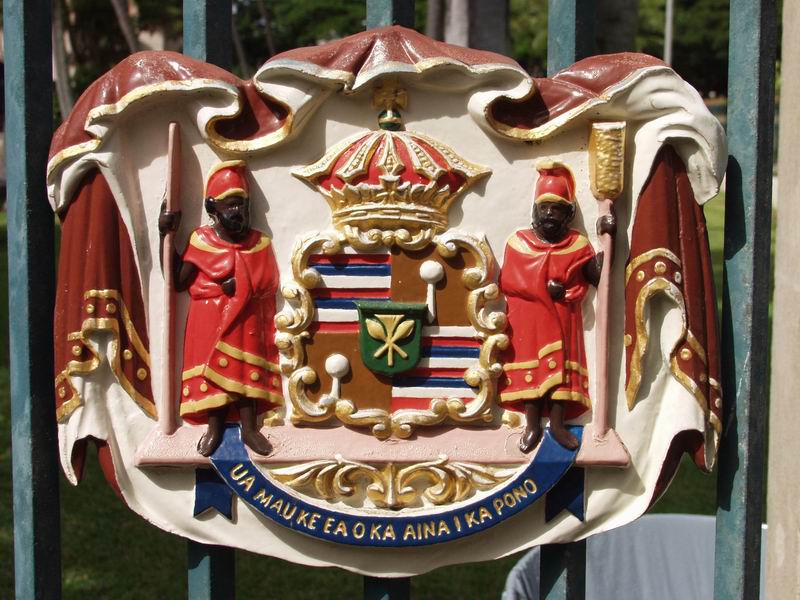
{"points": [[391, 179]]}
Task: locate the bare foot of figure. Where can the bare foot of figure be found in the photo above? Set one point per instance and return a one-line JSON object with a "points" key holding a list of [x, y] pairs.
{"points": [[533, 428], [560, 433], [256, 442], [213, 435], [251, 436]]}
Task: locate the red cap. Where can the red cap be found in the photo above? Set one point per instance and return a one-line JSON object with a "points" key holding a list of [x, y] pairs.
{"points": [[227, 179], [555, 184]]}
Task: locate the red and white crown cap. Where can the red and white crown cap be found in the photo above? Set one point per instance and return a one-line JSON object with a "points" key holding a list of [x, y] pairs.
{"points": [[227, 179], [555, 184]]}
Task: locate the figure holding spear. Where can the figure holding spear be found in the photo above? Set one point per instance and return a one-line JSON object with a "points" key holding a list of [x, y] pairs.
{"points": [[230, 371], [546, 273]]}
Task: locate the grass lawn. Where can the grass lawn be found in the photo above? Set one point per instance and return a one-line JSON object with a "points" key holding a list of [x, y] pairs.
{"points": [[109, 552]]}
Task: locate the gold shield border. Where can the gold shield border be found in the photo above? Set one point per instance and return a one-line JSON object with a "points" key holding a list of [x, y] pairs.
{"points": [[292, 324]]}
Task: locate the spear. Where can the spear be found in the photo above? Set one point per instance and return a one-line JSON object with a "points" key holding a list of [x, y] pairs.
{"points": [[167, 413], [601, 445]]}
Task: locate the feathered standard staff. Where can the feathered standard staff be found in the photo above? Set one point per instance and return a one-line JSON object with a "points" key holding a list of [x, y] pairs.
{"points": [[601, 445]]}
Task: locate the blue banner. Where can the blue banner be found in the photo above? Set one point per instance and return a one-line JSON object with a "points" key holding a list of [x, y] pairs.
{"points": [[234, 467]]}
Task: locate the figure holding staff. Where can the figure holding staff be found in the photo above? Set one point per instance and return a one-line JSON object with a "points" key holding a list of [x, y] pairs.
{"points": [[230, 369], [546, 273]]}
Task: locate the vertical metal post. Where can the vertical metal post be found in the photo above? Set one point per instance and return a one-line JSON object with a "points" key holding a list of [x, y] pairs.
{"points": [[29, 115], [207, 36], [563, 571], [207, 31], [212, 572], [570, 32], [570, 37], [376, 588], [745, 321], [382, 13]]}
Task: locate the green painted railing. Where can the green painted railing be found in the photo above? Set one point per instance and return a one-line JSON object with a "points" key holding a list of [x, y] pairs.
{"points": [[207, 35]]}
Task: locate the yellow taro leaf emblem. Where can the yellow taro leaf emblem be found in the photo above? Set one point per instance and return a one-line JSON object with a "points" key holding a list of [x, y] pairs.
{"points": [[390, 335]]}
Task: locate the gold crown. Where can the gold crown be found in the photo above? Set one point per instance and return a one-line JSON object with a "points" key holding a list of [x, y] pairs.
{"points": [[391, 180]]}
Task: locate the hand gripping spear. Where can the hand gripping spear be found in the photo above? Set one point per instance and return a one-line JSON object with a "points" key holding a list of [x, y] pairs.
{"points": [[167, 409], [601, 446]]}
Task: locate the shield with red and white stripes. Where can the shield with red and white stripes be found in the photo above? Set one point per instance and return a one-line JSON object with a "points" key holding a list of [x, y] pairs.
{"points": [[449, 345]]}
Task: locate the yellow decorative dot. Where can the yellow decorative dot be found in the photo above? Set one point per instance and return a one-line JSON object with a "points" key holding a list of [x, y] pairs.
{"points": [[686, 354], [90, 308], [223, 362], [566, 379], [508, 381], [76, 350], [141, 374], [186, 391], [585, 384], [678, 277], [640, 276], [528, 378], [127, 354], [111, 308], [660, 268], [203, 387], [62, 392], [628, 339], [703, 377], [254, 376], [718, 402], [276, 381], [551, 364]]}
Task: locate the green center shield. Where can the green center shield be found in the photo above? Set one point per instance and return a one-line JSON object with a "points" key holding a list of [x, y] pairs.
{"points": [[390, 335]]}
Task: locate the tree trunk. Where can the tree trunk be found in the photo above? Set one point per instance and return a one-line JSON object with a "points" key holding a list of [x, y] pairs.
{"points": [[238, 47], [125, 25], [434, 22], [66, 100], [262, 7], [456, 27]]}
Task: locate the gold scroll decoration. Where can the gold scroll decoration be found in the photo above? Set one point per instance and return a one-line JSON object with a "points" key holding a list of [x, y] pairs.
{"points": [[390, 485], [292, 324]]}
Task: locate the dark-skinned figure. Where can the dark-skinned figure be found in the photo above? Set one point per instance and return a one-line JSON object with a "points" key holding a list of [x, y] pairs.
{"points": [[546, 273], [230, 370]]}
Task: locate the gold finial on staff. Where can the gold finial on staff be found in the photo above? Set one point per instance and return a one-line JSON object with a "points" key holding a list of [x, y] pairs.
{"points": [[607, 159], [601, 445]]}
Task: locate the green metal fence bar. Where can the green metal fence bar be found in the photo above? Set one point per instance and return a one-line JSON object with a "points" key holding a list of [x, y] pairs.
{"points": [[570, 29], [212, 572], [563, 571], [207, 31], [570, 37], [382, 13], [207, 36], [745, 321], [376, 588], [29, 114]]}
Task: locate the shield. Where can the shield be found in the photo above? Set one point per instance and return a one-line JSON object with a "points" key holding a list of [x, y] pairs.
{"points": [[390, 335]]}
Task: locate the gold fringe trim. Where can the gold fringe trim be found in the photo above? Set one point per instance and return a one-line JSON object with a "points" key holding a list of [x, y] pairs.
{"points": [[104, 324], [517, 244], [248, 357], [650, 289], [647, 257]]}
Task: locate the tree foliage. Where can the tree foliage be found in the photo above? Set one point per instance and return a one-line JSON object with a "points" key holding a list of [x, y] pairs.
{"points": [[266, 27]]}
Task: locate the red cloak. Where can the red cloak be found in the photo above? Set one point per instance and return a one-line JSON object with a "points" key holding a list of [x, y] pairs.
{"points": [[546, 354], [228, 346]]}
